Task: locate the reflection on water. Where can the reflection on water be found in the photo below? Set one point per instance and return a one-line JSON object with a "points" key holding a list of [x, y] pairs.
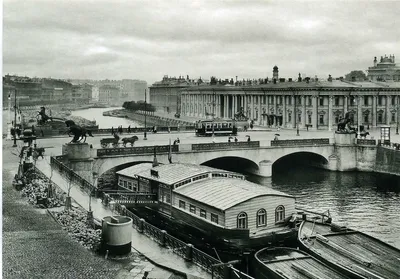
{"points": [[105, 121], [368, 202]]}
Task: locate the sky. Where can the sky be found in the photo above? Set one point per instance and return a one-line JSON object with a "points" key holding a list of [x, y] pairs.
{"points": [[146, 40]]}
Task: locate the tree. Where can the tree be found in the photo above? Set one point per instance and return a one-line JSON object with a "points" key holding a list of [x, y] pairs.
{"points": [[356, 75]]}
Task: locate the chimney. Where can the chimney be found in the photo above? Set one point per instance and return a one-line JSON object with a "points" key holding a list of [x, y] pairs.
{"points": [[330, 78], [290, 80], [281, 79], [307, 80], [299, 79], [375, 61]]}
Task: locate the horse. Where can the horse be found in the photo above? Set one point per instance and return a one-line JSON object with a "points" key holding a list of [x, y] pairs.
{"points": [[364, 134], [131, 140], [177, 141], [341, 126], [80, 133]]}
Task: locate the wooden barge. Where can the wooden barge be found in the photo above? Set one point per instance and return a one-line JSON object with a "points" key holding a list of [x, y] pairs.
{"points": [[220, 204], [351, 252], [284, 263]]}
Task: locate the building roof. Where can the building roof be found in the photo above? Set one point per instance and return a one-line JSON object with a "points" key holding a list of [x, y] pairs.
{"points": [[134, 170], [168, 173], [224, 193]]}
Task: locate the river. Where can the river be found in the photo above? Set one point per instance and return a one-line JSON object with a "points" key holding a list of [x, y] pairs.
{"points": [[105, 121], [368, 202]]}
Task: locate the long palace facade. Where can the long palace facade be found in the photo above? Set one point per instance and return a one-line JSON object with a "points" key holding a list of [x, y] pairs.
{"points": [[316, 104]]}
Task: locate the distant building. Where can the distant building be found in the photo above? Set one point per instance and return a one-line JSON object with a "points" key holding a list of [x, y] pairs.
{"points": [[109, 94], [385, 70], [82, 93], [163, 94]]}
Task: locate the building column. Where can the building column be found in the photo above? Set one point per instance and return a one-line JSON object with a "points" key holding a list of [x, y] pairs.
{"points": [[251, 107], [359, 111], [294, 113], [226, 108], [284, 112], [245, 105], [330, 113], [303, 111], [234, 105], [387, 110], [345, 105], [314, 118], [275, 109], [374, 110]]}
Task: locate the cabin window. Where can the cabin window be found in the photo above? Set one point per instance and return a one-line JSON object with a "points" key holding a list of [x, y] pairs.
{"points": [[261, 217], [182, 204], [214, 218], [279, 214], [242, 220], [125, 184], [192, 209], [120, 183], [130, 185], [203, 213]]}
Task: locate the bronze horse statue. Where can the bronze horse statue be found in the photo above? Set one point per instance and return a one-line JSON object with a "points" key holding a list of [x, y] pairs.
{"points": [[42, 117], [343, 125], [131, 140], [78, 131]]}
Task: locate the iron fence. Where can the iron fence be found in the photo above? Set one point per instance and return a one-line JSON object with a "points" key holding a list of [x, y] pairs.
{"points": [[300, 142], [225, 145], [137, 150]]}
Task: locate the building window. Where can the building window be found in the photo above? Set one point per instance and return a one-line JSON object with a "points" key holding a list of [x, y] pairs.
{"points": [[279, 214], [242, 220], [309, 101], [203, 213], [336, 119], [321, 119], [125, 184], [365, 101], [214, 218], [192, 209], [299, 100], [336, 101], [379, 100], [366, 118], [380, 118], [393, 117], [309, 119], [299, 118], [280, 100], [321, 101], [261, 217], [290, 117], [393, 100], [182, 204], [289, 101]]}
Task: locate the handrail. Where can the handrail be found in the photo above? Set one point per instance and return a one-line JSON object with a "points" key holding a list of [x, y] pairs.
{"points": [[300, 142]]}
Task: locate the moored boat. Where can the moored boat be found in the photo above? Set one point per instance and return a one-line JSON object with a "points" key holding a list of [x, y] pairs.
{"points": [[284, 263], [351, 252]]}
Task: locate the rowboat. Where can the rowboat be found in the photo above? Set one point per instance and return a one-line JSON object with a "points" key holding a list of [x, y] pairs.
{"points": [[284, 263], [351, 252]]}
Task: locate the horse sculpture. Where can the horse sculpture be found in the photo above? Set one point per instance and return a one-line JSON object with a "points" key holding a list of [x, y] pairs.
{"points": [[42, 117], [344, 124], [131, 140], [78, 131]]}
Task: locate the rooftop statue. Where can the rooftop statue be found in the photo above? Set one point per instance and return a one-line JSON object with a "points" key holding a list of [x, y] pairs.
{"points": [[344, 127]]}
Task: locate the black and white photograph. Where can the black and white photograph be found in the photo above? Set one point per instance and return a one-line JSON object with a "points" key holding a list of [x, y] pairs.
{"points": [[213, 139]]}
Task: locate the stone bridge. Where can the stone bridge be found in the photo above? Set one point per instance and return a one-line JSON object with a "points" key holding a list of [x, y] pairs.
{"points": [[343, 153]]}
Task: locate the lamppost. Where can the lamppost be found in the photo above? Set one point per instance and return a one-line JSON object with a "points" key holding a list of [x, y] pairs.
{"points": [[15, 118], [9, 125], [145, 113], [398, 115]]}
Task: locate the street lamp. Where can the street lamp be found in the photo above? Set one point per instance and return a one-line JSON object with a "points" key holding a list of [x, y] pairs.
{"points": [[398, 115], [9, 125], [15, 119], [145, 107]]}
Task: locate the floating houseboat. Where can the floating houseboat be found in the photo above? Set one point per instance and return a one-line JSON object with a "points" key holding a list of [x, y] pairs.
{"points": [[220, 204], [351, 252], [284, 263]]}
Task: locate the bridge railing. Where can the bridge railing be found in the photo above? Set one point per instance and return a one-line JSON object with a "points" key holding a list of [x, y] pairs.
{"points": [[300, 142], [366, 141], [179, 247], [225, 145], [142, 129], [68, 173], [136, 150]]}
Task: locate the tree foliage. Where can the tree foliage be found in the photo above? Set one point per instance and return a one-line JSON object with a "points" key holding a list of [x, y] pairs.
{"points": [[356, 75], [140, 105]]}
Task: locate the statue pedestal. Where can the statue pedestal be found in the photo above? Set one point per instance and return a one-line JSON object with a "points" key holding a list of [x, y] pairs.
{"points": [[79, 158], [345, 138]]}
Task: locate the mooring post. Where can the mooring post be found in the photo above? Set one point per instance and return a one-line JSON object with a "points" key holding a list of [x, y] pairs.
{"points": [[141, 225], [189, 252], [162, 238]]}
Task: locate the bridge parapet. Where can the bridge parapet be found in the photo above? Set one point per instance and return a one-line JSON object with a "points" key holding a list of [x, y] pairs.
{"points": [[136, 150], [300, 142], [225, 145], [366, 141]]}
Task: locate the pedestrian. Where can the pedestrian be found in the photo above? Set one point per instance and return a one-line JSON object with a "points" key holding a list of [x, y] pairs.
{"points": [[129, 129], [248, 139], [112, 130], [229, 139], [245, 128], [169, 129], [33, 129], [236, 139], [42, 133], [178, 128]]}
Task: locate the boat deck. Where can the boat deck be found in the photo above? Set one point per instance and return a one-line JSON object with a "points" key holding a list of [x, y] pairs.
{"points": [[291, 263], [353, 250]]}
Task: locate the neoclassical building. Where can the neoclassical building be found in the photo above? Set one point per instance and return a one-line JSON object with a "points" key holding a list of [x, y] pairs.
{"points": [[384, 70], [318, 104]]}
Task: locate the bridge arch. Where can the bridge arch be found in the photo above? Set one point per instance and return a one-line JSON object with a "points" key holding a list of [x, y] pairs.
{"points": [[232, 163], [300, 158]]}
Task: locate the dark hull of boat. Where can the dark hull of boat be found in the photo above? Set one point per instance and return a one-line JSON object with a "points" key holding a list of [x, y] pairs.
{"points": [[351, 252]]}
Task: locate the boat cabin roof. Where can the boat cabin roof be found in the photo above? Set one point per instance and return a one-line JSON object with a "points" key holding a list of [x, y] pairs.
{"points": [[224, 193], [170, 174]]}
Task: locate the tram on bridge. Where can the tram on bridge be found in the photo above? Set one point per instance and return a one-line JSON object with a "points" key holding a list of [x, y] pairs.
{"points": [[216, 127]]}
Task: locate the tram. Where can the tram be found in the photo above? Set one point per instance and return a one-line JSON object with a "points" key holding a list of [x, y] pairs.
{"points": [[216, 127]]}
